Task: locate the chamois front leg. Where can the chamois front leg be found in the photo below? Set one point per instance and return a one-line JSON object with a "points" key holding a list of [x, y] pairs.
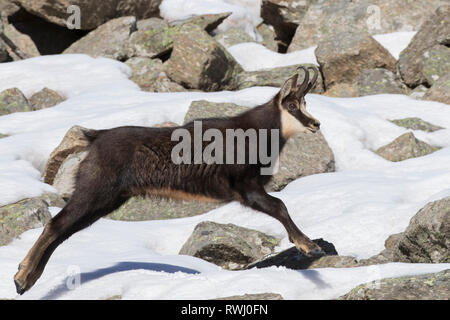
{"points": [[257, 198]]}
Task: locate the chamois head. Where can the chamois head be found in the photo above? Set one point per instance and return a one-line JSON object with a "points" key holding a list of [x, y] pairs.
{"points": [[291, 102]]}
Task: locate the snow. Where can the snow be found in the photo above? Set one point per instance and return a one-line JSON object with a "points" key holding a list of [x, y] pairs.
{"points": [[245, 13], [263, 58], [355, 208]]}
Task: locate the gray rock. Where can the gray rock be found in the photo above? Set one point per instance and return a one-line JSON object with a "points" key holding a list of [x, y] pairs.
{"points": [[13, 100], [110, 40], [275, 78], [324, 18], [152, 23], [22, 41], [22, 216], [436, 63], [150, 76], [154, 40], [46, 98], [293, 259], [378, 81], [427, 237], [440, 91], [254, 296], [141, 209], [434, 286], [93, 13], [418, 92], [200, 62], [284, 16], [405, 147], [73, 142], [229, 246], [233, 36], [3, 52], [342, 90], [268, 37], [296, 159], [425, 240], [385, 256], [344, 56], [205, 109], [435, 31], [416, 124], [64, 180]]}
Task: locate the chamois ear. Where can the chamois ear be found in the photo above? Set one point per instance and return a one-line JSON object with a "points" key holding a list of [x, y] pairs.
{"points": [[287, 88]]}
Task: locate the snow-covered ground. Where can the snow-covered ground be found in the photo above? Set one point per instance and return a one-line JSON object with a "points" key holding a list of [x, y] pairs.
{"points": [[356, 208]]}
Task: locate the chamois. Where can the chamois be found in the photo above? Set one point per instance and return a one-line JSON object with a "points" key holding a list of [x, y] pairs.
{"points": [[129, 161]]}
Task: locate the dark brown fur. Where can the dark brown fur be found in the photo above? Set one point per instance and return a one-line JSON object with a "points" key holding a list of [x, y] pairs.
{"points": [[129, 161]]}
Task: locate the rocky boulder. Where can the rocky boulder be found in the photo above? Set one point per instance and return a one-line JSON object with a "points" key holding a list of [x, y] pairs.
{"points": [[155, 38], [229, 246], [296, 159], [23, 42], [405, 147], [150, 76], [378, 81], [22, 216], [440, 91], [425, 240], [109, 40], [294, 259], [432, 286], [276, 77], [416, 124], [46, 98], [421, 51], [436, 63], [427, 237], [200, 62], [269, 37], [73, 142], [13, 100], [324, 18], [93, 13], [344, 56], [284, 16], [233, 36], [3, 51]]}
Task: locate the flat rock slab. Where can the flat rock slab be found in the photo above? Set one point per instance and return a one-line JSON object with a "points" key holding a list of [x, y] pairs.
{"points": [[416, 124], [254, 296], [434, 286]]}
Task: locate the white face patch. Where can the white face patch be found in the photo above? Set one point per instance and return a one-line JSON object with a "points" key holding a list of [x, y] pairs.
{"points": [[290, 126]]}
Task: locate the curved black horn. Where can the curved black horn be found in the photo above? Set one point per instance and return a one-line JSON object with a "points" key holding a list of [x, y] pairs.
{"points": [[314, 79], [301, 88]]}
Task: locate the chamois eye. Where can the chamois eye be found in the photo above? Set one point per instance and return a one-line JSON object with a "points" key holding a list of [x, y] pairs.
{"points": [[292, 106]]}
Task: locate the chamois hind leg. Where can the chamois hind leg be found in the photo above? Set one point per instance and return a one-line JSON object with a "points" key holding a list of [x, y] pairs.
{"points": [[83, 209], [257, 198]]}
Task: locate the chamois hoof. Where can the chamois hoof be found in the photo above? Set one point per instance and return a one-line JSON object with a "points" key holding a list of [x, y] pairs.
{"points": [[19, 288]]}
